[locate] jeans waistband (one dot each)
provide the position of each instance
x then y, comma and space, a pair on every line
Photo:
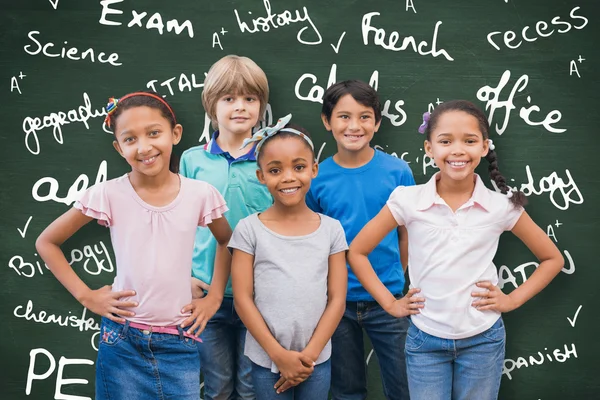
171, 330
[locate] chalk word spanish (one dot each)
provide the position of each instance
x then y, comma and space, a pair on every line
275, 21
539, 359
379, 39
72, 53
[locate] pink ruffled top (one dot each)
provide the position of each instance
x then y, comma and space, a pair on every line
153, 245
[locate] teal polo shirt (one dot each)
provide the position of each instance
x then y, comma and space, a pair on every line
235, 179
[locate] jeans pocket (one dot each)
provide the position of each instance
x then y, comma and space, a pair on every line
111, 333
496, 333
415, 338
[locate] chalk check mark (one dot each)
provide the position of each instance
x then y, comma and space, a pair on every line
339, 43
54, 3
22, 232
572, 322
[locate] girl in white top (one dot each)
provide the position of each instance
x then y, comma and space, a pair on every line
455, 343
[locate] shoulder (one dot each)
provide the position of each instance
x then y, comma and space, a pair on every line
194, 151
392, 162
408, 193
198, 187
331, 223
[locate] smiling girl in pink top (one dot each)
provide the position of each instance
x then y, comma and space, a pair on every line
150, 325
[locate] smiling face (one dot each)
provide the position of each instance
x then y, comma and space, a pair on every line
287, 168
145, 138
456, 144
352, 125
237, 114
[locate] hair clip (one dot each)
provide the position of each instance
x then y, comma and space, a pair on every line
491, 145
509, 194
425, 123
111, 106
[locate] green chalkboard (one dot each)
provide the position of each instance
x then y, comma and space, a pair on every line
532, 65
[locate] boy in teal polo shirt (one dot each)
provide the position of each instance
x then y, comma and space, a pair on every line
235, 96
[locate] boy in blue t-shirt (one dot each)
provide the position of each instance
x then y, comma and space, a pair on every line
352, 186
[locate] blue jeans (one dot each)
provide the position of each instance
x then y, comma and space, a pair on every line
225, 367
348, 367
134, 364
316, 387
459, 369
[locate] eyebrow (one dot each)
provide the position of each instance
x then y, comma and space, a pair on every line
295, 160
146, 128
370, 112
465, 134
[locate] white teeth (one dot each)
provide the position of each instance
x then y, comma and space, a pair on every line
149, 160
289, 190
458, 163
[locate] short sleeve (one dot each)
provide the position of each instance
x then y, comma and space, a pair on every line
214, 206
243, 237
396, 206
338, 238
513, 213
95, 203
312, 202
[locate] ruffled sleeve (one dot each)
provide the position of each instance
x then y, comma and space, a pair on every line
214, 206
94, 203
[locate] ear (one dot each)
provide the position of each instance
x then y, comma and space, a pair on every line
486, 147
377, 125
428, 149
260, 176
325, 122
118, 148
177, 132
315, 170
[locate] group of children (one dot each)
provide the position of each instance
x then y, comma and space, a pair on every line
289, 323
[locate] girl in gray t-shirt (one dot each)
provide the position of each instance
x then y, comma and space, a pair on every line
289, 273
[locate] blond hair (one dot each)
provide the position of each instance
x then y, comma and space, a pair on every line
234, 75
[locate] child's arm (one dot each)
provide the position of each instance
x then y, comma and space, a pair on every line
337, 284
403, 245
204, 308
363, 244
551, 262
103, 301
293, 366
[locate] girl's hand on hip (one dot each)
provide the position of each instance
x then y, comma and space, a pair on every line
492, 299
106, 303
407, 305
201, 310
294, 368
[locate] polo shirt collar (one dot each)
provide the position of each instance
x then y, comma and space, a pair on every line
429, 196
213, 148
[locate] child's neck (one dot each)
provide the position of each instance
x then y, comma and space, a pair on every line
159, 190
232, 143
456, 193
354, 159
298, 220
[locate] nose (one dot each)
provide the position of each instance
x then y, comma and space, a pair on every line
288, 175
144, 147
457, 149
353, 124
239, 103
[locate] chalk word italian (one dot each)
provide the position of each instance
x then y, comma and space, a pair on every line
275, 21
32, 125
541, 29
519, 275
492, 96
60, 380
379, 39
81, 323
521, 362
154, 22
94, 259
183, 84
75, 190
316, 92
72, 53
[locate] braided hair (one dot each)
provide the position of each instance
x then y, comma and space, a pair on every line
518, 198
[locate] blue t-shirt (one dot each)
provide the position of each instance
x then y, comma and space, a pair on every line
354, 196
235, 179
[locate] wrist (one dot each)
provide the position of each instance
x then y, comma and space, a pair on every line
83, 296
277, 354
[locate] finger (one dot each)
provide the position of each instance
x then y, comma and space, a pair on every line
286, 385
192, 329
306, 361
417, 299
485, 284
486, 308
120, 312
416, 305
125, 304
480, 294
114, 318
412, 291
280, 382
187, 308
123, 293
201, 329
188, 321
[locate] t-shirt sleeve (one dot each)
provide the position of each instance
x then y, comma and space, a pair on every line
312, 202
396, 205
214, 206
243, 237
95, 203
338, 239
513, 213
183, 166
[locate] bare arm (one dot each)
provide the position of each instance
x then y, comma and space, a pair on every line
551, 262
337, 282
403, 245
103, 301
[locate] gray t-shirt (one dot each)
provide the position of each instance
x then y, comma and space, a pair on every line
290, 281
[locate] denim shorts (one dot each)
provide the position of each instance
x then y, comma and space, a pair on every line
137, 364
461, 369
